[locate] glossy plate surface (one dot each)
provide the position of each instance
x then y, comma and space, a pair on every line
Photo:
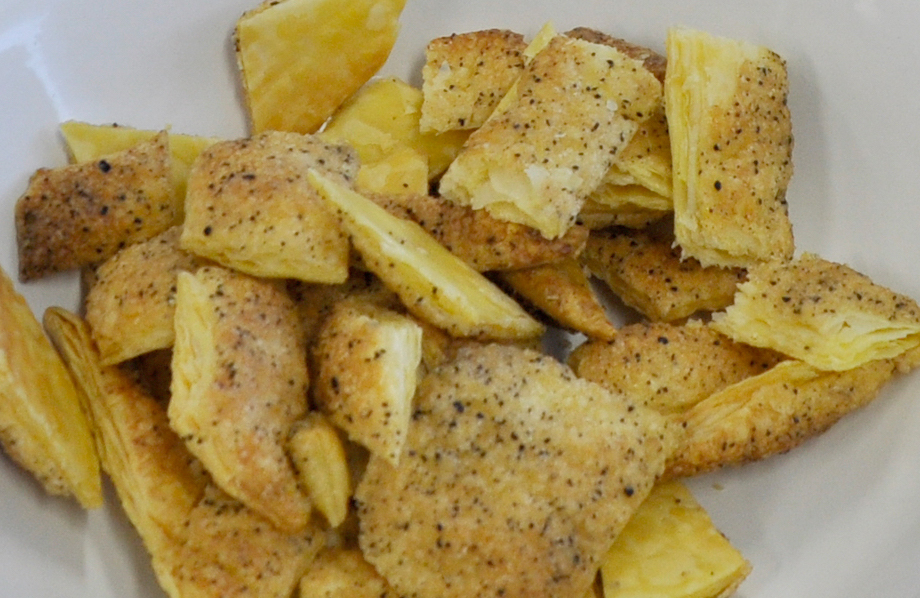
839, 517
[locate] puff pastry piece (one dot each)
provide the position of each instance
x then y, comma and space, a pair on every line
672, 549
563, 292
433, 284
821, 312
239, 383
382, 119
87, 142
502, 489
367, 358
773, 412
731, 141
576, 105
202, 543
249, 207
343, 573
131, 305
43, 425
650, 275
668, 367
481, 240
82, 214
646, 160
300, 59
466, 75
318, 454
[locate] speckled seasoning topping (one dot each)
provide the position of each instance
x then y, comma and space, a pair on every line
239, 384
249, 207
821, 312
650, 274
131, 304
576, 105
514, 479
466, 75
79, 215
731, 140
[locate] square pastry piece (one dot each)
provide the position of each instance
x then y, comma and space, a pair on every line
514, 480
249, 207
466, 75
575, 106
731, 141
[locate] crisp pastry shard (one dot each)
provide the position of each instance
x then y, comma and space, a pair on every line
433, 284
649, 274
367, 358
401, 173
502, 488
153, 473
250, 207
731, 141
315, 301
229, 550
821, 312
319, 457
202, 543
646, 160
300, 59
481, 240
773, 412
563, 292
654, 62
466, 75
340, 572
43, 426
239, 383
672, 549
382, 119
82, 214
131, 305
576, 105
669, 367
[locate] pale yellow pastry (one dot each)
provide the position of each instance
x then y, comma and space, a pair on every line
821, 312
43, 425
672, 549
300, 59
432, 283
202, 543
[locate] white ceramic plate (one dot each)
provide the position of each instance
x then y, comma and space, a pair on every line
839, 517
